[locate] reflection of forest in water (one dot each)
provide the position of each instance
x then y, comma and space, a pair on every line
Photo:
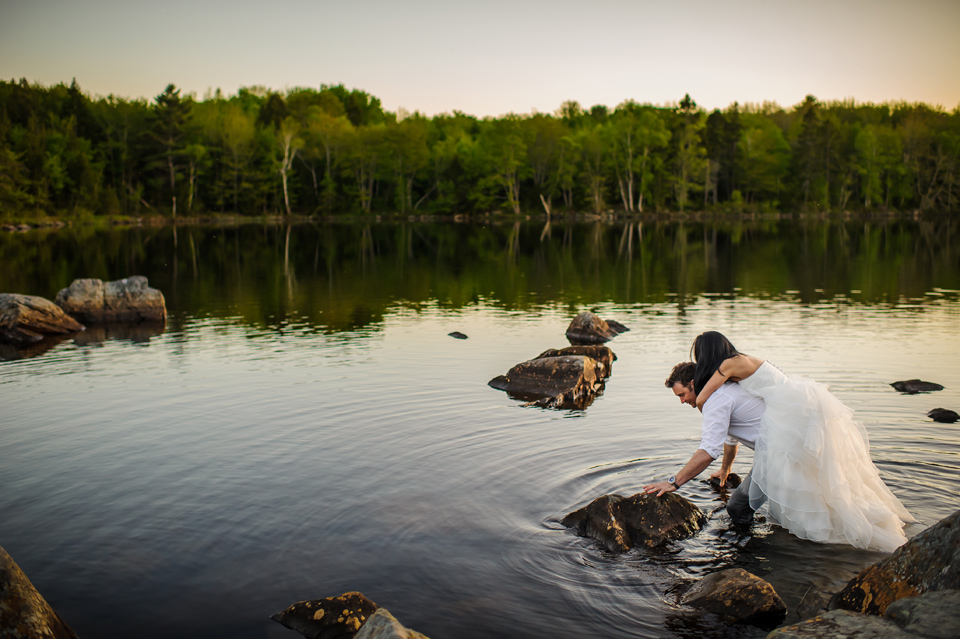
346, 275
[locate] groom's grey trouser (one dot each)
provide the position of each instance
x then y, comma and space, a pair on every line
738, 506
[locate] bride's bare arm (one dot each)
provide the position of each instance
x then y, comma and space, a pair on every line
731, 369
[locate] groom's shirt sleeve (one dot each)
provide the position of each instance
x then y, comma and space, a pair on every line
716, 421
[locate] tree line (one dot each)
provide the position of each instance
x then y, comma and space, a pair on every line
335, 151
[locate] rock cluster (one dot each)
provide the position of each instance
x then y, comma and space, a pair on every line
621, 523
588, 328
127, 300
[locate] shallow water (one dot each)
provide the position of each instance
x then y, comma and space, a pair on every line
304, 426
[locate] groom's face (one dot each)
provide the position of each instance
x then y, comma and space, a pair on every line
685, 393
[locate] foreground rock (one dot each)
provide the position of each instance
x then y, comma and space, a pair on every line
943, 415
567, 381
737, 596
927, 563
27, 319
330, 618
127, 300
383, 625
934, 615
344, 617
588, 328
621, 523
914, 386
23, 612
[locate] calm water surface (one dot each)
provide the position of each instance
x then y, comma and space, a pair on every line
303, 425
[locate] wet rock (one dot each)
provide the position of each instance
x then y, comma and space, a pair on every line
935, 615
841, 624
600, 354
27, 319
570, 381
588, 328
383, 625
733, 480
331, 618
457, 335
927, 563
914, 386
127, 300
621, 523
24, 614
943, 415
737, 596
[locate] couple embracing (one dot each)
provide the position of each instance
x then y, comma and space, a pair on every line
812, 465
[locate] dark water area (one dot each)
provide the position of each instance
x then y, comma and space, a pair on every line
303, 425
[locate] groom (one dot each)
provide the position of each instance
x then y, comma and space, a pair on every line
731, 417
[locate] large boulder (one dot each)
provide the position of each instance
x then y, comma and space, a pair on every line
935, 615
127, 300
914, 386
24, 614
27, 319
588, 328
621, 523
600, 354
568, 381
331, 618
737, 596
383, 625
929, 562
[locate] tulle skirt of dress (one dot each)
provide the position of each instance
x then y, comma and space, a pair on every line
812, 466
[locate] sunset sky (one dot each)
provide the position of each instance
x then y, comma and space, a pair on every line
498, 56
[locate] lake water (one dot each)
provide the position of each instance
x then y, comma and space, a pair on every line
304, 426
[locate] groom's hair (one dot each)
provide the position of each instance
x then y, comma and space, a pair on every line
682, 373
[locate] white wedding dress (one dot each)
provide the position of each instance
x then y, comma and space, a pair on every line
812, 466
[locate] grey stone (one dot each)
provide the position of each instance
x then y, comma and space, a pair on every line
842, 624
127, 300
935, 615
383, 625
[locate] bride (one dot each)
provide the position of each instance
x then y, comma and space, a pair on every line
812, 461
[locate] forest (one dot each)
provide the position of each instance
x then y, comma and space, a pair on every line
335, 151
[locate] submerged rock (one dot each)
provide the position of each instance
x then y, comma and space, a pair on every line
331, 618
737, 596
934, 615
588, 328
457, 335
927, 563
943, 415
914, 386
24, 614
621, 523
383, 625
127, 300
27, 319
569, 381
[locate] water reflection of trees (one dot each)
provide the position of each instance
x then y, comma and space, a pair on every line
339, 276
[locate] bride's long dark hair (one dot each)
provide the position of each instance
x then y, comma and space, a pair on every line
708, 351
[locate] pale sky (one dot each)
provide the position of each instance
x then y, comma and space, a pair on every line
495, 57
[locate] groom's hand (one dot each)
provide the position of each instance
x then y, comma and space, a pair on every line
660, 488
721, 475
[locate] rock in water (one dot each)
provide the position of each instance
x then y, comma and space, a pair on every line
571, 381
943, 415
27, 319
383, 625
24, 614
331, 618
588, 328
621, 523
927, 563
457, 335
737, 596
914, 386
127, 300
600, 354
